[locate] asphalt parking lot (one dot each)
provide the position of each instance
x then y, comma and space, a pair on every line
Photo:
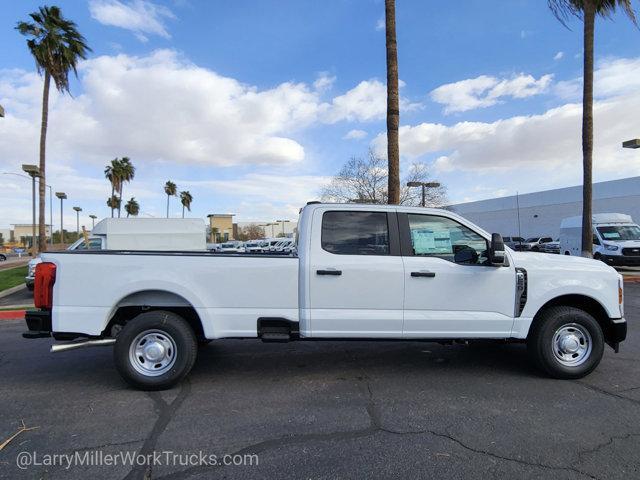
327, 410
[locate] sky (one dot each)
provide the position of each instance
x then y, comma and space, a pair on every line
253, 105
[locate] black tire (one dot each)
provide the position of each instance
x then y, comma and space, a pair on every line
598, 256
3, 257
30, 287
167, 325
567, 253
542, 348
535, 249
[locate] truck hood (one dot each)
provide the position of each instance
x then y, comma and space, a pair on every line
547, 261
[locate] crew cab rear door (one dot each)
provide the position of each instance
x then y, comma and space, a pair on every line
356, 284
445, 298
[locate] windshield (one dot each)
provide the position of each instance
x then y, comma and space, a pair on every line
620, 232
533, 239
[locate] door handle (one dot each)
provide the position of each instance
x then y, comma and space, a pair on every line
423, 273
329, 272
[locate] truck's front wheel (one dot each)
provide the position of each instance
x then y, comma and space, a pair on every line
155, 350
566, 342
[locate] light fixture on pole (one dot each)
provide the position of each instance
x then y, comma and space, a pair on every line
78, 210
62, 196
33, 171
424, 186
634, 143
93, 221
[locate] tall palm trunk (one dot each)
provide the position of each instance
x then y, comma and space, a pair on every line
182, 211
587, 129
393, 107
120, 203
42, 232
113, 190
168, 197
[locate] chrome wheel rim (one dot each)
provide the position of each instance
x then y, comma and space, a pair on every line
572, 345
152, 353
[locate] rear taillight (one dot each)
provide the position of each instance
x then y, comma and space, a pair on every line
43, 285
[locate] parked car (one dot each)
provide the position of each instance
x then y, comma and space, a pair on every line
551, 247
213, 247
363, 271
514, 243
616, 238
284, 246
535, 244
253, 246
233, 246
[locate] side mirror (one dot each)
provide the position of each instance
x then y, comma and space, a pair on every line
496, 250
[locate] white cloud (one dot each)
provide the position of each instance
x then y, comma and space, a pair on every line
547, 142
367, 101
485, 91
142, 17
381, 24
355, 135
324, 82
558, 56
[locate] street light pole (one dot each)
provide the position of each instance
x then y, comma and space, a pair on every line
33, 171
93, 221
62, 196
78, 210
424, 186
282, 222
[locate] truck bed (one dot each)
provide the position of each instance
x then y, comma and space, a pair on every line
229, 292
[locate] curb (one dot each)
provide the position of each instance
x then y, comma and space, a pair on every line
12, 315
12, 290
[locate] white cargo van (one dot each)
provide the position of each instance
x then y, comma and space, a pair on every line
616, 238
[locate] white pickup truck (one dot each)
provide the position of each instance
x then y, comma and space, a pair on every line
361, 272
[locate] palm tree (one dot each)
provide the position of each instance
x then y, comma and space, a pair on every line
132, 207
170, 189
393, 104
587, 10
186, 198
113, 202
56, 46
126, 173
112, 173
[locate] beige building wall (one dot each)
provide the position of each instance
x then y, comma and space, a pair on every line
222, 227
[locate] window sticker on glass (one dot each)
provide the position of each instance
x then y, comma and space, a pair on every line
423, 241
611, 235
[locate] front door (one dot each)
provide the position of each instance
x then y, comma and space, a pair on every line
356, 274
444, 297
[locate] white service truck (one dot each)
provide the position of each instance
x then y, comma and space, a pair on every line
137, 234
362, 272
616, 238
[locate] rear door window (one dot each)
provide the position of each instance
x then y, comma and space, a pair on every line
355, 233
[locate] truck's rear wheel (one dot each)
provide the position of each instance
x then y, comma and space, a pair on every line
155, 350
566, 342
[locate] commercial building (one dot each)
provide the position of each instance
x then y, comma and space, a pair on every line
22, 232
221, 227
274, 228
540, 213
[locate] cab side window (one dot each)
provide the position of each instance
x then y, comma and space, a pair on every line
433, 236
355, 233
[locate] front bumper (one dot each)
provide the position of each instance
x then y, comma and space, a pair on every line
621, 260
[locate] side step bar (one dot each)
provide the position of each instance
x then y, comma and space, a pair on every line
63, 347
277, 330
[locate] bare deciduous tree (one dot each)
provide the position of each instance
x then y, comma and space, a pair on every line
365, 180
251, 232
